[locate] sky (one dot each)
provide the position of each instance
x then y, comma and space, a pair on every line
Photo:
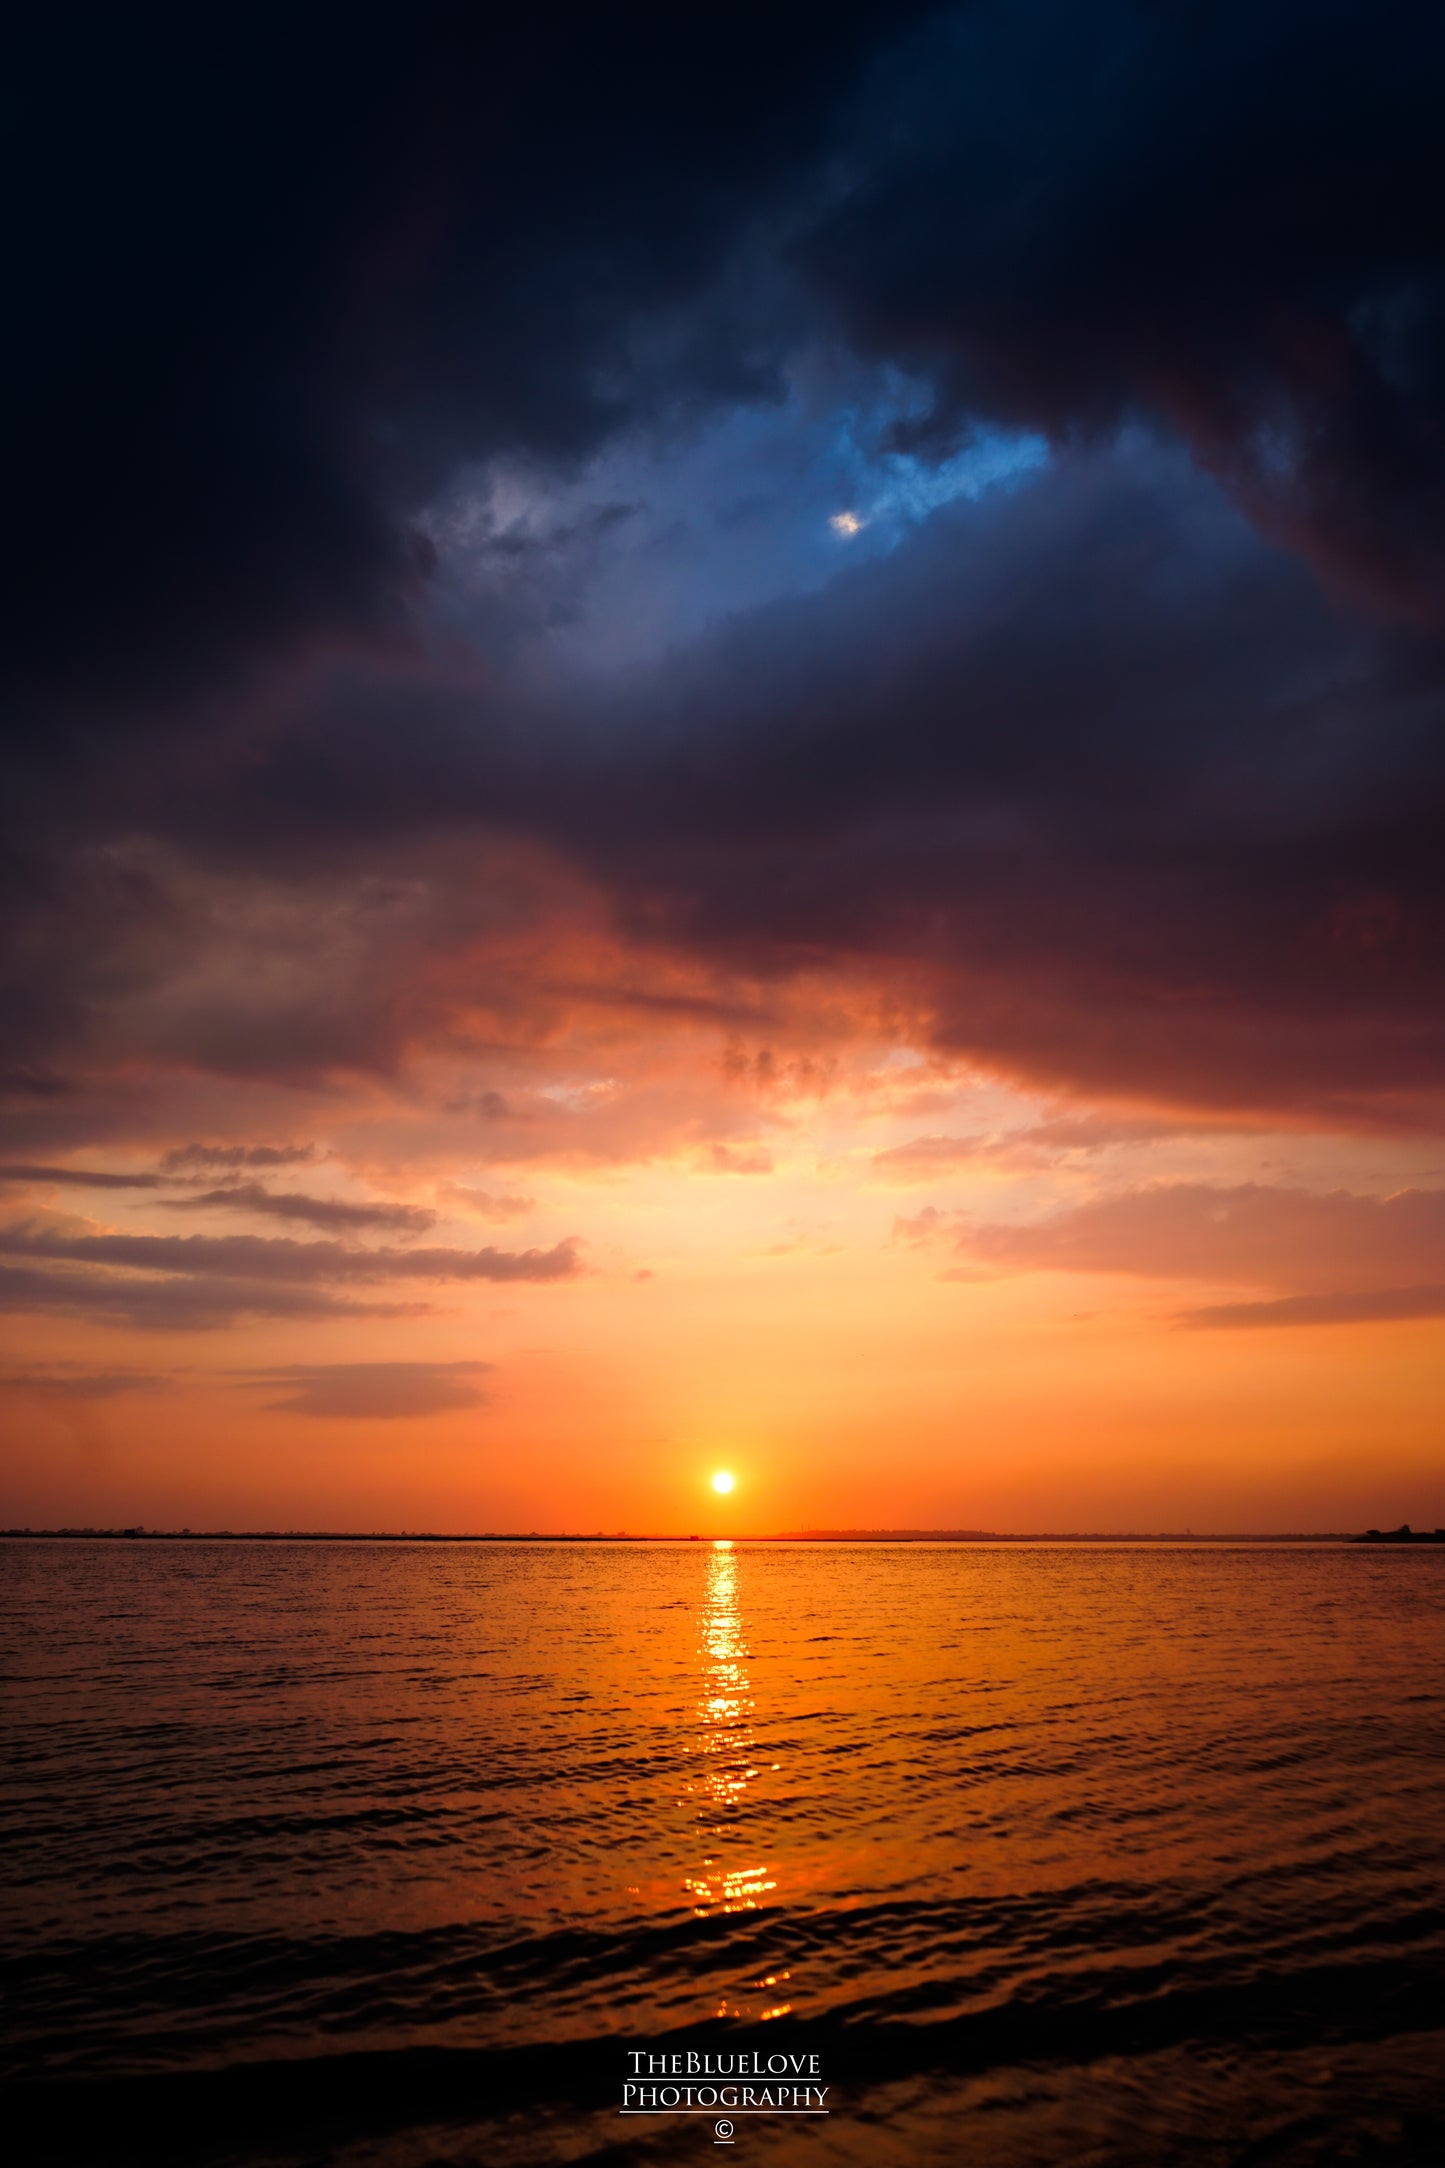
723, 749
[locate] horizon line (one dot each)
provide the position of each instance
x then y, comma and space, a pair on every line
138, 1531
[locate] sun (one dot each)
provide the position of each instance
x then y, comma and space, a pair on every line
722, 1482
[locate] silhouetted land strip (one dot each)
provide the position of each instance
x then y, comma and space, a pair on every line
1403, 1534
622, 1535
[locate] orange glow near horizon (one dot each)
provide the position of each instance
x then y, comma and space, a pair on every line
869, 1289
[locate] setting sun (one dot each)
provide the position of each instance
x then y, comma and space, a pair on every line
722, 1483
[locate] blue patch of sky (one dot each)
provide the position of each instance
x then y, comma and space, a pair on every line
665, 533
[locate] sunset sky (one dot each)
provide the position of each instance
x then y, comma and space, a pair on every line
724, 749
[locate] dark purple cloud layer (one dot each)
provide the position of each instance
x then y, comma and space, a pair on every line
1128, 781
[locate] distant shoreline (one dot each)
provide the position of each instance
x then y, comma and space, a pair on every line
802, 1535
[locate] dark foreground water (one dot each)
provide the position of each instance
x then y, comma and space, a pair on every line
386, 1855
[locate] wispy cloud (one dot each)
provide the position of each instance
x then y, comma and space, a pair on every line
375, 1392
741, 1159
178, 1304
1042, 1144
172, 1282
77, 1381
1369, 1306
492, 1204
326, 1212
922, 1159
262, 1258
187, 1158
1304, 1241
78, 1177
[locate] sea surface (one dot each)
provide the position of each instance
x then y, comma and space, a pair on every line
386, 1855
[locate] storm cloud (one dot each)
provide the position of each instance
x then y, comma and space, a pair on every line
404, 363
283, 272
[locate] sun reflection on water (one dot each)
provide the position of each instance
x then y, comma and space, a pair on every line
725, 1745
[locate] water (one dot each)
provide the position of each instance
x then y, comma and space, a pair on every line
383, 1855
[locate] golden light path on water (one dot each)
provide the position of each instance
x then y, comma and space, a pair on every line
726, 1881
